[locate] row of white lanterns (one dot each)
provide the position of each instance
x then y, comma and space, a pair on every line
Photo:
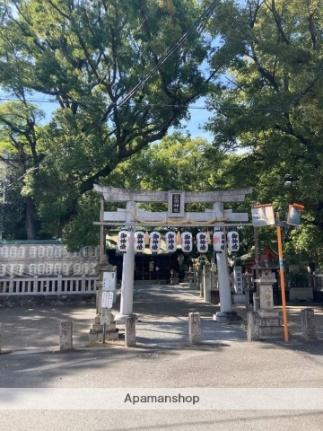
186, 241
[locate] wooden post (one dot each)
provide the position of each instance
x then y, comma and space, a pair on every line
282, 281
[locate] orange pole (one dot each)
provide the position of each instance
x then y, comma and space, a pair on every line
282, 281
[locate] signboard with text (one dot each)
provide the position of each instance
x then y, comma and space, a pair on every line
176, 204
109, 280
107, 299
294, 214
263, 215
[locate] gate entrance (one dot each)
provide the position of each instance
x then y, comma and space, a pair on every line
133, 218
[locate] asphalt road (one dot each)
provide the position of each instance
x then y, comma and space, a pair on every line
163, 359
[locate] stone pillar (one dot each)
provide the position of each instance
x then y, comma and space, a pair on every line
130, 331
225, 314
202, 281
252, 333
207, 283
239, 297
128, 271
267, 320
224, 283
194, 328
104, 320
308, 324
66, 335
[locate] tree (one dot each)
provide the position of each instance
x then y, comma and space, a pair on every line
19, 155
88, 56
269, 103
177, 162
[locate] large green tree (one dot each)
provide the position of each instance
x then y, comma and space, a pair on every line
177, 162
19, 155
269, 103
88, 55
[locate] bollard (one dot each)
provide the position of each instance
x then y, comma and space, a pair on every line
252, 333
66, 335
0, 336
130, 334
308, 324
207, 286
194, 328
202, 281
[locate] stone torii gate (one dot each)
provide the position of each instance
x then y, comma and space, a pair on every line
176, 216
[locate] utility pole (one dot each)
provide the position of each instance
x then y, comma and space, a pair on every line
282, 279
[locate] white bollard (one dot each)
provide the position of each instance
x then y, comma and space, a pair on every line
130, 332
65, 335
194, 328
224, 283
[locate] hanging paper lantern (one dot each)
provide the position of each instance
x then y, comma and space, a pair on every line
154, 242
139, 242
170, 239
233, 241
218, 241
202, 242
187, 242
123, 241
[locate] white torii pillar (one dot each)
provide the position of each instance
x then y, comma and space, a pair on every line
224, 284
225, 312
128, 270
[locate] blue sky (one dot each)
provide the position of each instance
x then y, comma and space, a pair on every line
194, 126
199, 116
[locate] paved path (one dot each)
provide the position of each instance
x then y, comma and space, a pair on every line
162, 359
163, 317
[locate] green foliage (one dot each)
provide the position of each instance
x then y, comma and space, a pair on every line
176, 163
269, 104
88, 55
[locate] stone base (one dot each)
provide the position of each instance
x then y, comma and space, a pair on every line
96, 336
96, 332
264, 324
239, 298
121, 318
226, 317
268, 314
268, 332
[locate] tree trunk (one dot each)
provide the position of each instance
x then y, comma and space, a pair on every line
30, 219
